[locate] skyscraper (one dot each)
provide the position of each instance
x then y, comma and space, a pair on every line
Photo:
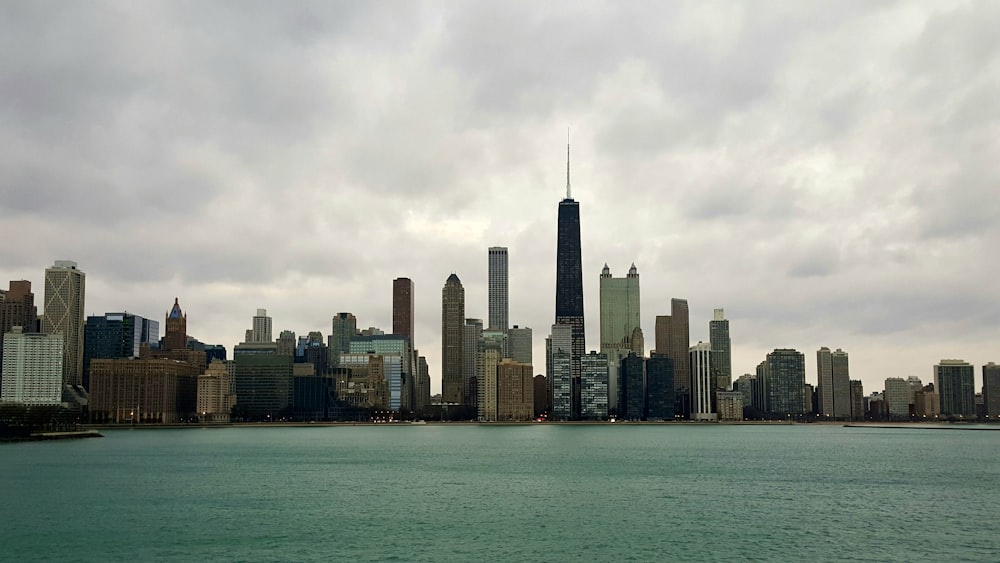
452, 349
559, 371
472, 354
261, 331
786, 379
702, 386
569, 276
402, 307
499, 308
65, 286
343, 326
953, 381
833, 383
991, 389
619, 310
673, 340
115, 335
659, 388
722, 362
17, 308
519, 344
594, 386
175, 328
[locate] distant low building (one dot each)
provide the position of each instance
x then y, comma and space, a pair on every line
216, 392
730, 405
142, 390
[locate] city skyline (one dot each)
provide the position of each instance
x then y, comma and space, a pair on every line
818, 177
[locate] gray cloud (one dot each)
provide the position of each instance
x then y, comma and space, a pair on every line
825, 172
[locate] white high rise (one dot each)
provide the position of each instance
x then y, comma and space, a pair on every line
499, 307
261, 331
702, 386
65, 287
32, 368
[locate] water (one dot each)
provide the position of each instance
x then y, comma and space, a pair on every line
518, 493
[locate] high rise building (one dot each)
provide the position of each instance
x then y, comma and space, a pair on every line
722, 360
897, 398
559, 371
515, 391
702, 385
632, 392
569, 277
594, 386
833, 384
264, 385
342, 329
619, 310
953, 382
857, 400
991, 390
17, 308
659, 387
261, 331
452, 348
116, 335
216, 392
519, 344
786, 379
175, 327
32, 368
472, 354
65, 286
486, 384
422, 395
499, 308
673, 340
402, 307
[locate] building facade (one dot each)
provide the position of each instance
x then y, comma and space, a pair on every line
515, 391
343, 327
594, 386
991, 390
142, 390
722, 358
702, 382
953, 382
786, 379
659, 388
519, 344
897, 398
672, 337
619, 309
32, 371
216, 392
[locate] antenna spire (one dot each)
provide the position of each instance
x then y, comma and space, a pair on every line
569, 194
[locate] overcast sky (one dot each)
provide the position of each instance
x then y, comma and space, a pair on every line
826, 172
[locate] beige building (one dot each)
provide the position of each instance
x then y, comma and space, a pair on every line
142, 390
897, 398
364, 384
729, 405
487, 384
515, 391
926, 404
216, 392
63, 314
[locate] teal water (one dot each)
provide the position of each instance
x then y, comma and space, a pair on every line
518, 493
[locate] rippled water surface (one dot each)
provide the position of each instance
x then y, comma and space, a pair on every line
522, 493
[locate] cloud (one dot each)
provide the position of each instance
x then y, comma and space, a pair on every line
824, 172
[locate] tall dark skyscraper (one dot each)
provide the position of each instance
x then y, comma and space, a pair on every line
402, 307
452, 349
569, 277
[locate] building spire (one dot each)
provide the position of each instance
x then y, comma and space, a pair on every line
569, 194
